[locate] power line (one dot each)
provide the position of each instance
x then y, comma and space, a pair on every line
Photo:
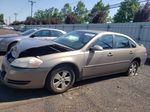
32, 3
118, 4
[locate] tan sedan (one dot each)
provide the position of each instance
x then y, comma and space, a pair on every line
75, 56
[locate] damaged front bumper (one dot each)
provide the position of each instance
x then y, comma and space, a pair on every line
22, 78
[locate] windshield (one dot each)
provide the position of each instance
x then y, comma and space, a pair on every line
28, 32
75, 39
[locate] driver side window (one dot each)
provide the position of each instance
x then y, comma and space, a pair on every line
105, 41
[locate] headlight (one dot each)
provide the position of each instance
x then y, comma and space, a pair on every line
28, 62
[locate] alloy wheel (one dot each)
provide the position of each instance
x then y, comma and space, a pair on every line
62, 80
133, 69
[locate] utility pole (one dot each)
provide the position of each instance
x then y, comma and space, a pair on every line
32, 3
16, 14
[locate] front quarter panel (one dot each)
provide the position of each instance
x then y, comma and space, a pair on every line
6, 42
74, 57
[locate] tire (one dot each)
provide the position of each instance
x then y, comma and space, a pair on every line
60, 79
133, 68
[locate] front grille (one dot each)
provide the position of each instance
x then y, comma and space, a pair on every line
10, 58
16, 82
3, 74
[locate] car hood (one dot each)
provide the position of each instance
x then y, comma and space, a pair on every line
9, 35
28, 43
33, 47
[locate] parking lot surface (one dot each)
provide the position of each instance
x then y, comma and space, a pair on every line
115, 93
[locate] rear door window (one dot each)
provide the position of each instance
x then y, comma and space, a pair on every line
121, 42
42, 33
56, 33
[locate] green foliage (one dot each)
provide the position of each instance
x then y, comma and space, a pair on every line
47, 16
97, 11
101, 17
1, 19
67, 9
79, 15
109, 19
143, 15
127, 11
82, 13
71, 19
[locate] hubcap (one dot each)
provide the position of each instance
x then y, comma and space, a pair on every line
133, 69
62, 80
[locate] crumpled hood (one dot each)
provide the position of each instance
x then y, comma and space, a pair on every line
9, 35
29, 47
28, 43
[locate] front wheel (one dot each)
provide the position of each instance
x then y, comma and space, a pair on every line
133, 68
60, 79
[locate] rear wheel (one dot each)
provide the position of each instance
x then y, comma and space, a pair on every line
60, 79
133, 68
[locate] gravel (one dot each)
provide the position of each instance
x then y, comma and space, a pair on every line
5, 31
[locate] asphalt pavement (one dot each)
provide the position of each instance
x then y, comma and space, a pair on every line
115, 93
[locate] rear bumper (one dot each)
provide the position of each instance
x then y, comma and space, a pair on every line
23, 78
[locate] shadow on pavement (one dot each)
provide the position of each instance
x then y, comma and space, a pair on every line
147, 62
10, 95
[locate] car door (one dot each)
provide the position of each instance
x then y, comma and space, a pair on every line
55, 34
115, 57
124, 52
100, 62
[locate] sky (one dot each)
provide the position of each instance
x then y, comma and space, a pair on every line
23, 7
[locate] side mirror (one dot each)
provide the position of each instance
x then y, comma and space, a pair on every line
32, 36
96, 48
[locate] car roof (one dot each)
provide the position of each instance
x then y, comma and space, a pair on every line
106, 32
92, 31
49, 29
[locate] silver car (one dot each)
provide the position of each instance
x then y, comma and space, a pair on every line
7, 41
75, 56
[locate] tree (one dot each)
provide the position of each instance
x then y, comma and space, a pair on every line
55, 13
82, 13
143, 15
56, 20
39, 14
47, 16
1, 19
67, 9
101, 17
127, 11
71, 18
97, 11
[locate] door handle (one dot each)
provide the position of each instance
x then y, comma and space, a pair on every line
110, 54
130, 52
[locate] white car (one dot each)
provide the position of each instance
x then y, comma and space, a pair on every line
7, 41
